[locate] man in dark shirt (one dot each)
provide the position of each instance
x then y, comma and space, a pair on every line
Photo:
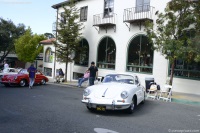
31, 70
93, 73
60, 75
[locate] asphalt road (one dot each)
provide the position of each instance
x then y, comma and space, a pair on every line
58, 109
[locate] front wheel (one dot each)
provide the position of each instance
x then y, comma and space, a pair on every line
90, 109
133, 105
6, 85
22, 83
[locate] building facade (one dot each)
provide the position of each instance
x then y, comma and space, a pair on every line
114, 38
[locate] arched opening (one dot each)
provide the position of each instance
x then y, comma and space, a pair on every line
48, 55
140, 55
82, 57
106, 53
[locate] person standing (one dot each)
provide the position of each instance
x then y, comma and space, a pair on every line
93, 73
32, 74
6, 65
84, 78
60, 75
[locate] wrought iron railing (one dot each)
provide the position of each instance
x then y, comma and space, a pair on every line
101, 19
138, 13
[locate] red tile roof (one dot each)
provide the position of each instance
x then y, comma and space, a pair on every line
48, 41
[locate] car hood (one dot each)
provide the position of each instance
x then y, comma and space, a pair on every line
110, 90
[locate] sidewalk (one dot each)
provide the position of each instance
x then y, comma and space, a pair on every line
177, 97
184, 98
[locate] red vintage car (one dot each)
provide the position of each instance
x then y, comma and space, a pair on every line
22, 78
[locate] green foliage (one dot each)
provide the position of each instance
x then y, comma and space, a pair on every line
68, 37
68, 33
172, 33
9, 32
27, 46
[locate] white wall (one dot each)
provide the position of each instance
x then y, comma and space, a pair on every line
48, 64
122, 37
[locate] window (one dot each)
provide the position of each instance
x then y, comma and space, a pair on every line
106, 54
63, 19
82, 57
47, 71
140, 55
48, 56
83, 13
187, 69
108, 8
142, 5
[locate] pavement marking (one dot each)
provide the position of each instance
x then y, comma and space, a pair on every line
102, 130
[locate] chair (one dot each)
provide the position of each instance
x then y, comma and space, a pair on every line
153, 91
166, 93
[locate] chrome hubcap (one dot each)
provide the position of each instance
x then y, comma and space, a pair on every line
132, 106
43, 81
22, 83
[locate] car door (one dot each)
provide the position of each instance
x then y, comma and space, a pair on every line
38, 77
140, 93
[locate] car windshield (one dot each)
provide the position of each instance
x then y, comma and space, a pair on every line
23, 71
120, 78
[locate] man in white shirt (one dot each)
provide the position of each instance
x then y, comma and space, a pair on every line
6, 65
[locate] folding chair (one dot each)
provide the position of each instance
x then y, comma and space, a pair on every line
153, 91
166, 93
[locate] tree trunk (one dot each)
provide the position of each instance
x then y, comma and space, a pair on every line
66, 64
172, 72
4, 55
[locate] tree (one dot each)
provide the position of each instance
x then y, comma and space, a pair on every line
170, 34
27, 46
196, 39
68, 35
8, 33
196, 47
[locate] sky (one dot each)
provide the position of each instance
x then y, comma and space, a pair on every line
37, 14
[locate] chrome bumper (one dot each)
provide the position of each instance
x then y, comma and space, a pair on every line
112, 106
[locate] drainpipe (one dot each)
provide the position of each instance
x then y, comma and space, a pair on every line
55, 47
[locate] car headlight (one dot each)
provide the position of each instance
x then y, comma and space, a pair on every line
124, 94
15, 77
86, 92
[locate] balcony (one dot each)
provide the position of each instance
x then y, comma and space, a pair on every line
105, 22
138, 15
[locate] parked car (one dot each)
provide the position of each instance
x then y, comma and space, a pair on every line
116, 92
22, 78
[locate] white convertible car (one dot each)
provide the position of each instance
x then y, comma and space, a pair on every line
116, 92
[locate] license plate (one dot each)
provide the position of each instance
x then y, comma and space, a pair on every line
101, 108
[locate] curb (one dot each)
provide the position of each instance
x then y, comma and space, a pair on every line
174, 100
184, 101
